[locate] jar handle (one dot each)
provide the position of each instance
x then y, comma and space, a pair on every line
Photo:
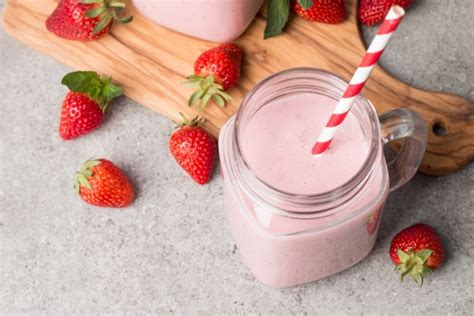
409, 125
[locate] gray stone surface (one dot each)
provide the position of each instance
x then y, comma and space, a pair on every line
171, 251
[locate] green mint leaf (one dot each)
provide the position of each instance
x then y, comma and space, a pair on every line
82, 81
306, 4
278, 12
111, 91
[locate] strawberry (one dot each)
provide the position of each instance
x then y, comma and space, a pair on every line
194, 149
325, 11
101, 183
84, 106
372, 12
85, 20
373, 221
416, 250
215, 71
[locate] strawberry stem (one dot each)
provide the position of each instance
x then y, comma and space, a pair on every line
196, 121
414, 264
206, 89
100, 89
108, 11
82, 175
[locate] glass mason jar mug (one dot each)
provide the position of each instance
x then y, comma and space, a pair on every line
288, 238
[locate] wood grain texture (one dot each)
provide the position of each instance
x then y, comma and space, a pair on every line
150, 62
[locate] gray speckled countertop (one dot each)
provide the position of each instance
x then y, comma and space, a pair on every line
171, 250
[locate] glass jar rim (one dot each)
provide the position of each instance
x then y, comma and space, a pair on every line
353, 185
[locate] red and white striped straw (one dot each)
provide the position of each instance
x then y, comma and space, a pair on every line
359, 78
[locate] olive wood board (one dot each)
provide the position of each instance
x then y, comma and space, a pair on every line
151, 62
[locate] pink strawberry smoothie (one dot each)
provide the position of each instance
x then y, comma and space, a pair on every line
213, 20
286, 131
276, 144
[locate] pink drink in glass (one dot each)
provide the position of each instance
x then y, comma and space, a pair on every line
213, 20
296, 217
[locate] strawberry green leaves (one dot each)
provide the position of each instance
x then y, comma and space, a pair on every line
278, 12
196, 121
85, 173
81, 81
100, 89
107, 11
95, 12
109, 90
206, 89
414, 264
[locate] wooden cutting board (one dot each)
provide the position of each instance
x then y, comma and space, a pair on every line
150, 62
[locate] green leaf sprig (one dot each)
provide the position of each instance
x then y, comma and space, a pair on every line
100, 89
84, 174
206, 89
107, 11
278, 13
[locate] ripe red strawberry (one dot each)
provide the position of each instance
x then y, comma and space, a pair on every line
101, 183
215, 71
326, 11
373, 221
416, 250
85, 20
84, 106
372, 12
194, 149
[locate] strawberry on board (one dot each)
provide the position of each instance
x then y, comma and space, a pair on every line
85, 20
416, 250
215, 71
372, 12
193, 149
101, 183
84, 105
325, 11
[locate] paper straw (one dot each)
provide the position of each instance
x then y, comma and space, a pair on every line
359, 78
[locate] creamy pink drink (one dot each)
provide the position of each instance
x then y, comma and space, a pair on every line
276, 144
213, 20
296, 217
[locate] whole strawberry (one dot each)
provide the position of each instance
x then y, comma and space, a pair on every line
194, 149
372, 12
85, 20
215, 71
416, 250
325, 11
84, 106
101, 183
